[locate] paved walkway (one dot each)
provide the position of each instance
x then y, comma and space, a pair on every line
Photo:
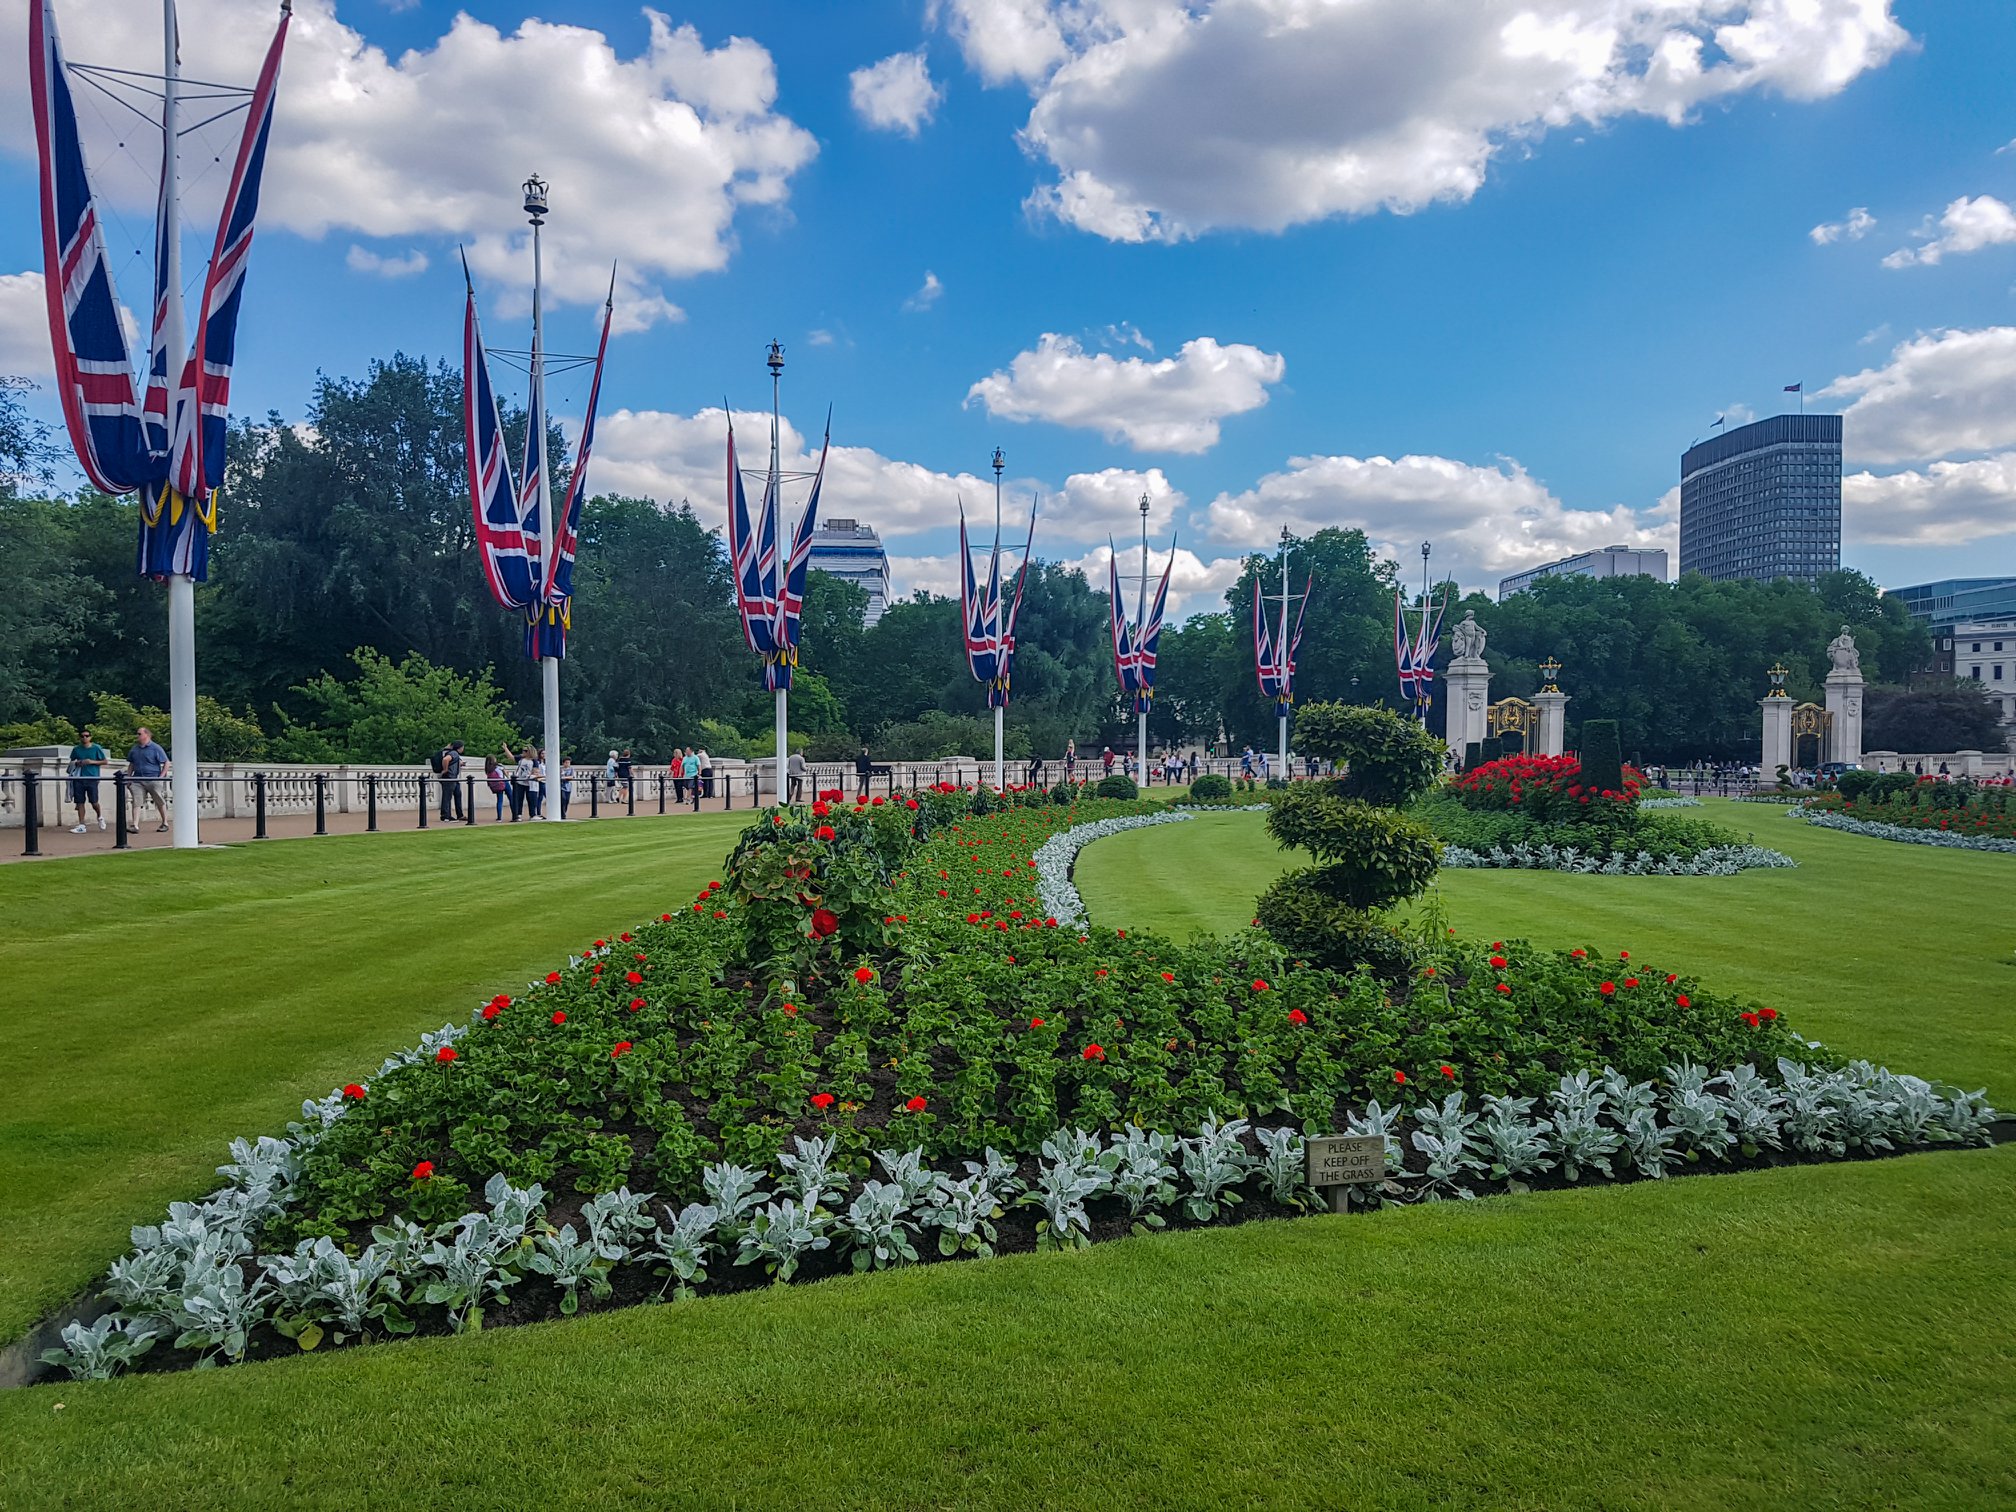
60, 843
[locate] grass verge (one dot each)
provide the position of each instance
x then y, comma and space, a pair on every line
156, 1006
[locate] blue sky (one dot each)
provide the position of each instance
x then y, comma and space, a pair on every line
1447, 269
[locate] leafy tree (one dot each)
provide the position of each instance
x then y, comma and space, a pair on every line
398, 712
1948, 715
220, 734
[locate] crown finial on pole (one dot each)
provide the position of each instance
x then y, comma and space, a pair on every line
535, 199
1000, 462
1144, 505
776, 358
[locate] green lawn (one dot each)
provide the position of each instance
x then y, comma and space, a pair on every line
154, 1006
1900, 953
1819, 1337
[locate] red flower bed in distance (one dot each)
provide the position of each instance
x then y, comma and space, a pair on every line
1545, 788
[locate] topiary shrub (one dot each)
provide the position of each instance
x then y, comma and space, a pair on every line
1063, 793
1118, 785
1211, 788
1370, 857
1854, 784
1389, 760
1602, 756
1473, 755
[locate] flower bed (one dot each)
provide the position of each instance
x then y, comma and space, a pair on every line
1054, 858
872, 1042
1952, 839
1668, 801
1894, 805
1712, 861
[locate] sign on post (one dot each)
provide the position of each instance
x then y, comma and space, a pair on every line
1337, 1161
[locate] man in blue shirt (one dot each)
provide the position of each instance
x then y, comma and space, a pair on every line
86, 757
146, 765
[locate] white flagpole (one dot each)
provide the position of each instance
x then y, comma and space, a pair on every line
1000, 626
1281, 652
535, 206
1140, 667
181, 586
783, 699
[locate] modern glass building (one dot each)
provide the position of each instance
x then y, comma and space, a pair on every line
848, 549
1952, 601
1764, 501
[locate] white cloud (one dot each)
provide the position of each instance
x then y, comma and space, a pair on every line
651, 156
24, 327
1941, 392
1174, 405
1195, 586
896, 94
1966, 225
927, 295
1485, 522
1944, 504
405, 265
819, 338
1164, 119
668, 457
1857, 224
1093, 506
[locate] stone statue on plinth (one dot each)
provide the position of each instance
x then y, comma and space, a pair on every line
1467, 639
1841, 650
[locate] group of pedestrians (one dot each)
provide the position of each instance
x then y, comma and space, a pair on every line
146, 769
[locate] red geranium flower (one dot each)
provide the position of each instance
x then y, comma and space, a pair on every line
1449, 1071
1683, 1000
491, 1010
634, 978
1168, 976
791, 1009
824, 922
1100, 972
636, 1005
445, 1054
1751, 1019
1608, 989
621, 1047
1767, 1014
1093, 1052
1623, 955
863, 975
353, 1092
824, 832
916, 1104
1671, 978
1400, 1078
552, 978
559, 1018
1297, 1016
819, 809
424, 1171
1260, 985
1505, 987
1579, 953
822, 1100
1035, 1023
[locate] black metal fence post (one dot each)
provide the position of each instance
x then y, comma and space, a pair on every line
423, 797
31, 811
469, 809
630, 791
321, 804
595, 796
119, 811
370, 802
661, 792
258, 805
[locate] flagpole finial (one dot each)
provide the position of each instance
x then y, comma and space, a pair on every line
535, 199
1000, 462
1144, 505
776, 358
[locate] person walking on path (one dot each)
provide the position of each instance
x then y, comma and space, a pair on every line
447, 766
87, 758
566, 783
623, 769
677, 767
864, 768
521, 780
706, 774
146, 765
690, 765
1036, 771
495, 780
535, 790
1106, 760
796, 767
609, 770
1070, 761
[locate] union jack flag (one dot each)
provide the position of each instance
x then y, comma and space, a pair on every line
560, 570
172, 449
1135, 647
493, 493
1276, 664
989, 633
1403, 652
1004, 661
755, 595
790, 581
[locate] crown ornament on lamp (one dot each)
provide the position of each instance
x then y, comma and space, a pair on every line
1549, 670
1777, 672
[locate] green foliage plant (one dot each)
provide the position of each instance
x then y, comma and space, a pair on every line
1118, 785
1389, 760
1602, 755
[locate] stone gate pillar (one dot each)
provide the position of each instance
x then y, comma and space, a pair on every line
1552, 737
1844, 699
1777, 736
1466, 698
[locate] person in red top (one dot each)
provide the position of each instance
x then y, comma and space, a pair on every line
1106, 756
